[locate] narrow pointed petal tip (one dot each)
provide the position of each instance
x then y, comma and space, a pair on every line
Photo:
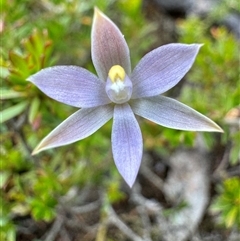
213, 126
97, 12
37, 149
127, 144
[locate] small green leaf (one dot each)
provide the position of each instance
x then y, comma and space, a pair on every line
17, 77
36, 41
12, 111
231, 216
18, 62
34, 107
3, 178
235, 151
9, 94
131, 9
28, 46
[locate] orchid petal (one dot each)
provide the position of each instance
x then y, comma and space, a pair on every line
109, 47
71, 85
162, 68
127, 143
78, 126
173, 114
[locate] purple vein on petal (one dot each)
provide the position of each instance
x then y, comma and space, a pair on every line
78, 126
162, 68
127, 145
71, 85
108, 47
173, 114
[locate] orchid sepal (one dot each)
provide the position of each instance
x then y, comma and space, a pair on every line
173, 114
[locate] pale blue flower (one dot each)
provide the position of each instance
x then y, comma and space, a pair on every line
120, 93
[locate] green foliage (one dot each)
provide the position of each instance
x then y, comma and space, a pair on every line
213, 88
212, 85
209, 78
34, 56
227, 204
164, 140
13, 111
46, 189
224, 7
7, 228
235, 151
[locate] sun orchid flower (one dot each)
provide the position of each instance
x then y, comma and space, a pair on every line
120, 93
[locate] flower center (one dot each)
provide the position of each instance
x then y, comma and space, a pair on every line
118, 85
